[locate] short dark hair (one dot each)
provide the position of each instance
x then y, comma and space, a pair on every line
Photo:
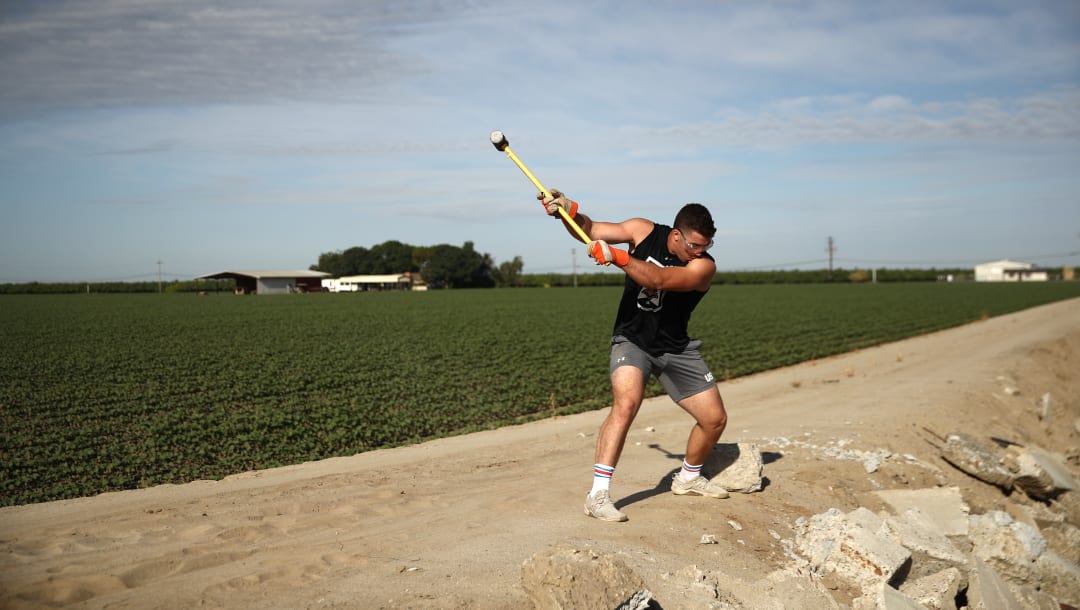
696, 217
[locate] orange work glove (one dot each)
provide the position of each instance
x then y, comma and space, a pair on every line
557, 200
604, 254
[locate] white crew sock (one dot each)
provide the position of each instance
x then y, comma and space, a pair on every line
688, 472
601, 478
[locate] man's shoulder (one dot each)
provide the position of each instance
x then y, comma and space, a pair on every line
639, 229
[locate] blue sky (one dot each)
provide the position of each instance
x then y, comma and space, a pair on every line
257, 135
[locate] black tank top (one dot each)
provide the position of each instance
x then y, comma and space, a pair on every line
656, 320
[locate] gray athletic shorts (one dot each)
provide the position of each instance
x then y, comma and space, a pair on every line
683, 374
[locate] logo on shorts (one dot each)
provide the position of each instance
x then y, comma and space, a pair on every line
709, 377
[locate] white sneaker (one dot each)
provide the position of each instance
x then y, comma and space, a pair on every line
601, 507
698, 485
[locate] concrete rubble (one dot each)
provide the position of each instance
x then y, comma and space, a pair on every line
978, 459
1039, 474
737, 467
943, 506
839, 450
937, 591
914, 530
1042, 475
855, 546
927, 551
907, 562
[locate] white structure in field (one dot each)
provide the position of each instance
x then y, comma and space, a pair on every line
1009, 271
370, 283
271, 282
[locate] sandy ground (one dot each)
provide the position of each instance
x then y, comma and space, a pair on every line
448, 523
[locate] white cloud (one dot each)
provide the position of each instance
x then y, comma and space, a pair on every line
889, 104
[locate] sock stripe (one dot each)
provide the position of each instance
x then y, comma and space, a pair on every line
689, 472
603, 472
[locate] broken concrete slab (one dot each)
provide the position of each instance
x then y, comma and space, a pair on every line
780, 590
943, 506
886, 598
980, 460
1033, 599
853, 546
1009, 546
1063, 539
737, 467
562, 578
987, 590
916, 532
1050, 471
936, 591
1058, 576
1032, 478
1020, 554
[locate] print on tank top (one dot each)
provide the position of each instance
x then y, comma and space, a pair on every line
651, 299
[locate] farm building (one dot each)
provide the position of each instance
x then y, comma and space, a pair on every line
370, 283
1009, 271
271, 282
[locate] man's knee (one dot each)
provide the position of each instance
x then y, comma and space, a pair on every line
719, 421
714, 419
624, 411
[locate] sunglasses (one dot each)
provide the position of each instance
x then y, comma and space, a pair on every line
694, 247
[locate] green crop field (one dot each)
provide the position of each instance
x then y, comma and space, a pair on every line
108, 392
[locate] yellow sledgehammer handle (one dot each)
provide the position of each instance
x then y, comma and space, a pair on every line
501, 143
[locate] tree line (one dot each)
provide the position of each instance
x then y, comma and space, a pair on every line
440, 266
447, 266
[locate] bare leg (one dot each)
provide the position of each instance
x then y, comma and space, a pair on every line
707, 409
628, 388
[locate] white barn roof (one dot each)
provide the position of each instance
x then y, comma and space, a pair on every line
1006, 264
375, 279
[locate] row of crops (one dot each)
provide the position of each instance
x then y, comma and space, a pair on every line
108, 392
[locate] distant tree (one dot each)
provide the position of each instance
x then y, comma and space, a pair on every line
477, 267
420, 256
331, 262
453, 267
357, 261
441, 266
392, 257
508, 273
438, 270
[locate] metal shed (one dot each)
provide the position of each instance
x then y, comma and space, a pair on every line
271, 282
1009, 271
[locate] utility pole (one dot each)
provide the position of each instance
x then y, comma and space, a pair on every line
159, 276
831, 249
573, 261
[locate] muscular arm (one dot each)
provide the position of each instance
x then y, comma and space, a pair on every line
696, 275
